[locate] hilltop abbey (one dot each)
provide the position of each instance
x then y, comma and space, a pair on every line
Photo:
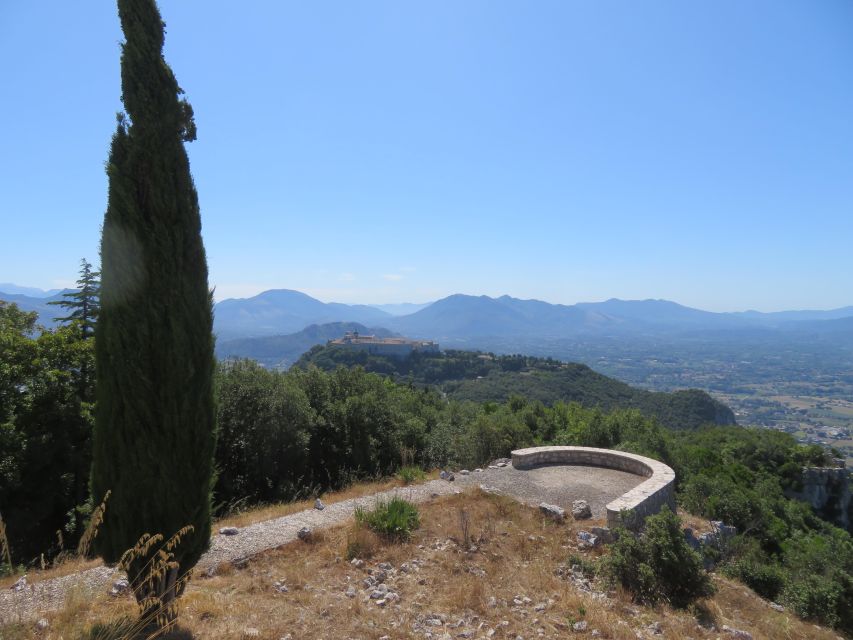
393, 347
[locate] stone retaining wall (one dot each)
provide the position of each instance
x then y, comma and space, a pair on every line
645, 499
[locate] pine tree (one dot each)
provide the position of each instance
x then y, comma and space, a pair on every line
84, 303
154, 431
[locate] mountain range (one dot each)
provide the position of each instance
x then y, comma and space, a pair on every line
464, 317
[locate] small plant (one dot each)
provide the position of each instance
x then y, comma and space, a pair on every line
395, 519
658, 565
587, 568
410, 474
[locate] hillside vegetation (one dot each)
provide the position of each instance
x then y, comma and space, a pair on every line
482, 377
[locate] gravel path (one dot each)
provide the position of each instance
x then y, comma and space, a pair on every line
558, 484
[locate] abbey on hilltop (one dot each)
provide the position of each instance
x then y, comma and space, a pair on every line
394, 347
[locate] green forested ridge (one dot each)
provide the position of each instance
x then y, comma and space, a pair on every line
486, 377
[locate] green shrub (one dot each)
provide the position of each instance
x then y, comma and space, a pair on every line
658, 565
410, 474
395, 519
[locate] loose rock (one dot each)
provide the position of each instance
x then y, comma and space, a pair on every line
581, 510
304, 534
552, 511
20, 583
587, 540
579, 627
229, 531
737, 633
119, 587
604, 534
318, 505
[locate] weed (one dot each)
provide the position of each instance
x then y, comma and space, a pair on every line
395, 519
410, 474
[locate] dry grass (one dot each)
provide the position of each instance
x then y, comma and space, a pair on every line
68, 563
512, 553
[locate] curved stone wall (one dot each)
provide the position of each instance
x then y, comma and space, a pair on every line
645, 499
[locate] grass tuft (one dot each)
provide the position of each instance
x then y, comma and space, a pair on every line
394, 519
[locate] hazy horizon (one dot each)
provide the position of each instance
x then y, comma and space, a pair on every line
384, 152
427, 302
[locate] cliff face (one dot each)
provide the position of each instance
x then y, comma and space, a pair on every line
827, 490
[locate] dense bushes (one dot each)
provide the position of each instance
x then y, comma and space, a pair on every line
784, 551
658, 565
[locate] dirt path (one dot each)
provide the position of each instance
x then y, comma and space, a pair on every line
558, 484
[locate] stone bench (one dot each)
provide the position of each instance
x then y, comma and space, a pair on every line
645, 499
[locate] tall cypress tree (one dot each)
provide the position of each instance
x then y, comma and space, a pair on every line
154, 434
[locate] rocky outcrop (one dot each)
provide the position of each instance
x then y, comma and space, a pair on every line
827, 490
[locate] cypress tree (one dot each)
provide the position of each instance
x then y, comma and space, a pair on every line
154, 434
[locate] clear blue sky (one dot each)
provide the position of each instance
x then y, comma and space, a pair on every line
399, 151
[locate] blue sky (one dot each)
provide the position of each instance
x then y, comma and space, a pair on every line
399, 151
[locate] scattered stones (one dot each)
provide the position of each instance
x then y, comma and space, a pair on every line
385, 566
318, 505
392, 596
240, 563
120, 587
304, 534
379, 592
251, 632
464, 472
433, 495
229, 531
777, 607
552, 511
655, 628
42, 624
493, 490
447, 475
478, 470
380, 575
586, 540
357, 563
581, 510
737, 633
540, 607
501, 462
351, 592
579, 627
369, 582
